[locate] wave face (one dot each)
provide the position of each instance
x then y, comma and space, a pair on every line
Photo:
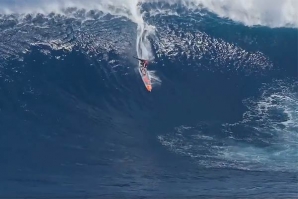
76, 120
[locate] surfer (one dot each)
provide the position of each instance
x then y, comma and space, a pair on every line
143, 63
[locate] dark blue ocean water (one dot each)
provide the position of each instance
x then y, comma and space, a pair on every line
77, 122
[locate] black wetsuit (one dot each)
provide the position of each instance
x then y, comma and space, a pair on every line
144, 63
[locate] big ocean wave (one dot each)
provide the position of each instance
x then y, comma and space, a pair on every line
224, 96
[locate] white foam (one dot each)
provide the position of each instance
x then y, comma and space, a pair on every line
269, 140
125, 8
275, 113
154, 78
273, 13
144, 31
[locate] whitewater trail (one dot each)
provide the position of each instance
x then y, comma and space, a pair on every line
143, 45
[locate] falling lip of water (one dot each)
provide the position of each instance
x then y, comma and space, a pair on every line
250, 12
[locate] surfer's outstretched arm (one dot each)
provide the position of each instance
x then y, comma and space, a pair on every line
139, 58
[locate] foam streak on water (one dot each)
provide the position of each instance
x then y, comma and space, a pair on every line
274, 118
266, 138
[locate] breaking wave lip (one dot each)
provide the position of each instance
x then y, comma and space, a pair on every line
125, 8
272, 13
266, 138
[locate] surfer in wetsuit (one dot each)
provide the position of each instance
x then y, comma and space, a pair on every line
144, 63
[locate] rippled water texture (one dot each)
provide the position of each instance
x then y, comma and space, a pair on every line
76, 120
